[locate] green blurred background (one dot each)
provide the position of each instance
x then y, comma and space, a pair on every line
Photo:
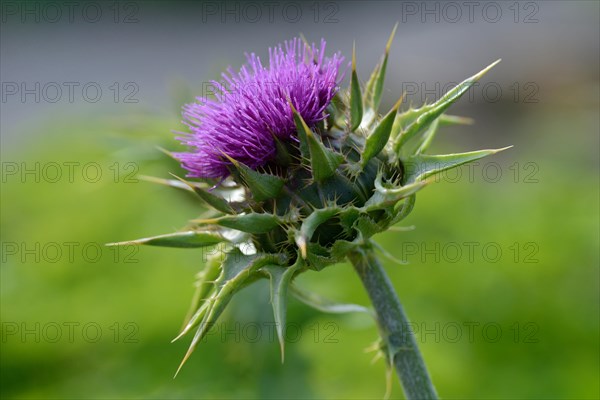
80, 320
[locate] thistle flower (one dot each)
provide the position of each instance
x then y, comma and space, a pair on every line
315, 173
251, 110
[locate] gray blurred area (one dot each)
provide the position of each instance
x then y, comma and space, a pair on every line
549, 51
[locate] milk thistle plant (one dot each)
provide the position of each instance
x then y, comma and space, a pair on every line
300, 175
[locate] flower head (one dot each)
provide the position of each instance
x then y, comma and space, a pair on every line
251, 108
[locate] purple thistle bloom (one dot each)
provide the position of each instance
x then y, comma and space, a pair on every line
251, 108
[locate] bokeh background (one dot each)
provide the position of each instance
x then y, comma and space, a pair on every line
502, 280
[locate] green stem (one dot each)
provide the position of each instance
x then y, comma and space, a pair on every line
394, 325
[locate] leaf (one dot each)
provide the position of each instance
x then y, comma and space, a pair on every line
401, 210
384, 197
378, 89
319, 303
323, 161
204, 284
280, 278
421, 118
282, 156
237, 268
341, 248
187, 239
216, 202
443, 120
367, 227
303, 131
318, 257
310, 225
428, 136
370, 87
249, 223
377, 140
356, 101
374, 89
261, 186
421, 166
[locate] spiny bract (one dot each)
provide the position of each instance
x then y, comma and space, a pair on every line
304, 196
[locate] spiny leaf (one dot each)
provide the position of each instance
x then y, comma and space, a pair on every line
424, 140
348, 216
283, 156
370, 87
374, 87
428, 136
204, 284
250, 223
421, 166
367, 227
187, 239
310, 225
341, 248
303, 131
319, 303
323, 161
422, 117
237, 268
262, 186
280, 277
377, 140
216, 202
378, 86
402, 209
319, 257
384, 197
356, 101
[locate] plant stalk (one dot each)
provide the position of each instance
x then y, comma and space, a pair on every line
394, 325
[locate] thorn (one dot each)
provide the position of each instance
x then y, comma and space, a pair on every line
495, 151
167, 152
127, 243
282, 349
391, 39
231, 160
185, 358
486, 69
399, 102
